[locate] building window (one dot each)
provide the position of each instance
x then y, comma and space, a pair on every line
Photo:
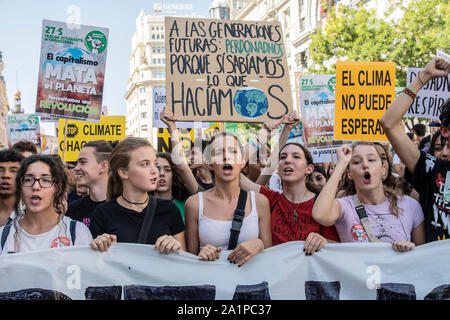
142, 90
144, 127
142, 102
153, 36
143, 115
302, 24
154, 61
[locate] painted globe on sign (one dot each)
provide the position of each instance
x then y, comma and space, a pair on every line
250, 102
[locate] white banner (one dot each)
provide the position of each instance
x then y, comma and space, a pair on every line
130, 271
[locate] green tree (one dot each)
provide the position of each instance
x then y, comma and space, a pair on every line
356, 34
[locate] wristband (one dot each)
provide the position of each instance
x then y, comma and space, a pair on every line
410, 93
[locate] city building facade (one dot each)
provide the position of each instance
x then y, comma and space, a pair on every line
4, 106
147, 71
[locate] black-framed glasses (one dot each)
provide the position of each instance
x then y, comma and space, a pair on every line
44, 182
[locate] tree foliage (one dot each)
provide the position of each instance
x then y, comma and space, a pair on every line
356, 34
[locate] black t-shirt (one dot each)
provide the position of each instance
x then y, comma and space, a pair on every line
429, 181
73, 196
82, 210
126, 224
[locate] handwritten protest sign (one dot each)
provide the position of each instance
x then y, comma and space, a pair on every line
71, 71
364, 91
317, 102
23, 127
159, 102
110, 128
222, 70
430, 98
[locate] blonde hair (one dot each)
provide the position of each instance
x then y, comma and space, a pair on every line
120, 158
389, 190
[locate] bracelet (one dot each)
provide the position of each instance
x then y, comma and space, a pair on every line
418, 77
410, 93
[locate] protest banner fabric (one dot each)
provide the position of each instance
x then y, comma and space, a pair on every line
71, 70
364, 91
49, 144
223, 70
339, 271
23, 127
430, 98
110, 128
317, 103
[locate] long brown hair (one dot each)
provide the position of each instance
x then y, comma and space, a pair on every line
120, 158
388, 188
309, 161
179, 190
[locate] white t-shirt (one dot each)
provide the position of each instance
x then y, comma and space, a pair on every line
275, 183
58, 236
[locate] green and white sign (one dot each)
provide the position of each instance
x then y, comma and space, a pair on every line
23, 127
71, 71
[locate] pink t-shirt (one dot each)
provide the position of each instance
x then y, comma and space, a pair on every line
385, 226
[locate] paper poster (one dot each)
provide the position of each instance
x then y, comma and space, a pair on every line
223, 70
110, 128
430, 98
23, 127
317, 103
159, 102
71, 71
364, 91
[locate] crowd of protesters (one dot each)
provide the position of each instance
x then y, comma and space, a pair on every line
224, 200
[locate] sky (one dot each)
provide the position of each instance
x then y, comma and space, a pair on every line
20, 41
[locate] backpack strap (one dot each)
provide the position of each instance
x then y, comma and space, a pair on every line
73, 226
9, 221
5, 234
238, 218
362, 214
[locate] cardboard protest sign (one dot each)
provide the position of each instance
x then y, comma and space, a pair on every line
23, 127
110, 128
187, 136
159, 102
222, 70
71, 71
364, 91
317, 103
430, 98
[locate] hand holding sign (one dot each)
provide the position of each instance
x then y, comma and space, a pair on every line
168, 118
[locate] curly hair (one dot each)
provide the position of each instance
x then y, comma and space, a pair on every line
57, 172
179, 190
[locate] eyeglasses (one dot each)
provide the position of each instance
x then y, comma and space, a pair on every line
45, 182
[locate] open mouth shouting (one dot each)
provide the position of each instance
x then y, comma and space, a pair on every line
36, 200
288, 171
366, 177
227, 169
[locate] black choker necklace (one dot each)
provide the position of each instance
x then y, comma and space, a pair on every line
139, 203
